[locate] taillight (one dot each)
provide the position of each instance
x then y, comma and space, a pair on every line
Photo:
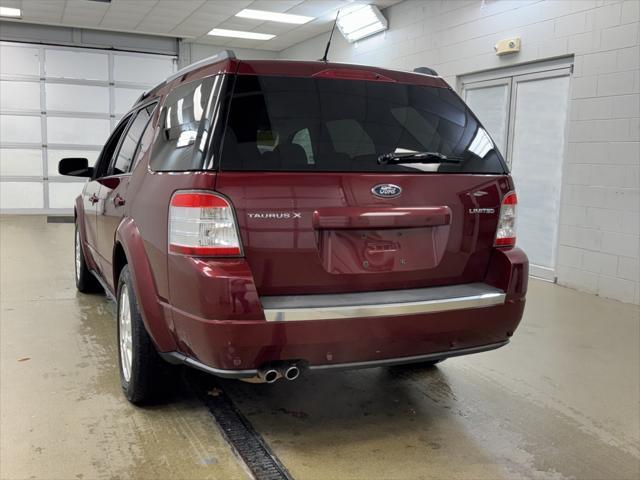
202, 224
506, 234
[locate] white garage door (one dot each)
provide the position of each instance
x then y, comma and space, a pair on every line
58, 102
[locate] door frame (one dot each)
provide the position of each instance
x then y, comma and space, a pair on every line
512, 76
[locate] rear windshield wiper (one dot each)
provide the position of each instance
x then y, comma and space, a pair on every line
416, 157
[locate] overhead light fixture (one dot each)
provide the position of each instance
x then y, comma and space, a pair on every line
273, 16
221, 32
361, 22
10, 12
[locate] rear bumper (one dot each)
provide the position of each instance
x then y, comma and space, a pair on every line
179, 358
361, 330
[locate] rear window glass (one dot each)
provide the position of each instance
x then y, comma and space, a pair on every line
309, 124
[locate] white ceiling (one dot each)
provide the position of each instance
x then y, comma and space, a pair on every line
189, 19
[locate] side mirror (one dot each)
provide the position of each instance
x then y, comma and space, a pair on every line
75, 167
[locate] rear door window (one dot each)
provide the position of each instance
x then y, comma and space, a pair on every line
316, 124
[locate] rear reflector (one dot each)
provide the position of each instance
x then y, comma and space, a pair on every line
506, 234
202, 224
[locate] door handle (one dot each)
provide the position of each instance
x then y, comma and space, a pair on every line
93, 199
118, 200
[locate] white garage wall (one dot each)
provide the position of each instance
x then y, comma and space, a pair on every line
599, 238
57, 102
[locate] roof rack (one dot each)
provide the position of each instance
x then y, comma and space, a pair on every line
426, 71
223, 55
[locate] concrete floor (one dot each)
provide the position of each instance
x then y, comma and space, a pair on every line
561, 401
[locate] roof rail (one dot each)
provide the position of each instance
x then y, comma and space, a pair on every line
426, 71
223, 55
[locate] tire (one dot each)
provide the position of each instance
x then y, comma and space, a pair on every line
85, 281
141, 368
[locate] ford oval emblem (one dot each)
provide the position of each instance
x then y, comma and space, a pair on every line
386, 190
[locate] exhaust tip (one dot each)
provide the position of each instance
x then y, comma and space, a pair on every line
292, 372
269, 376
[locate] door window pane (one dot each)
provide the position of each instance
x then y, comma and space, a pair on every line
538, 146
63, 195
20, 129
19, 95
77, 131
491, 106
21, 162
21, 195
130, 141
125, 98
141, 69
77, 64
19, 60
77, 98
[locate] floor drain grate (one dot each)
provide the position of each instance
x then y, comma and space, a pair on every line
247, 443
60, 219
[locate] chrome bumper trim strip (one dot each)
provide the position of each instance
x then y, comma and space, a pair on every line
479, 300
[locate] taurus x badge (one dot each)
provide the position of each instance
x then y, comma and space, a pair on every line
275, 215
386, 190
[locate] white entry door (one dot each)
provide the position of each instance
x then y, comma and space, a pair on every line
526, 114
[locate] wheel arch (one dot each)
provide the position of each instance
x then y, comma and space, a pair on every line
129, 250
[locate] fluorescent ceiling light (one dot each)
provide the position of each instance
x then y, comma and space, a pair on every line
221, 32
273, 16
361, 22
10, 12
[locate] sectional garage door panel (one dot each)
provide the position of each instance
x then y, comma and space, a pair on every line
18, 60
58, 102
130, 69
79, 65
63, 97
62, 194
21, 195
125, 97
20, 129
21, 162
16, 95
77, 131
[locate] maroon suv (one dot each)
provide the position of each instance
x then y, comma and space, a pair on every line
258, 219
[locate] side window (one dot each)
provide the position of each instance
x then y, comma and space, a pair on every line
184, 122
303, 138
146, 140
130, 141
102, 164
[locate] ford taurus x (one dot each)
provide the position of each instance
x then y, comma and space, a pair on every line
264, 219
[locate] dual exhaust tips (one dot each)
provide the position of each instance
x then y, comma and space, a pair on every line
286, 371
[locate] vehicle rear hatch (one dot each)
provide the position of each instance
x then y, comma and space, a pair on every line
318, 213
